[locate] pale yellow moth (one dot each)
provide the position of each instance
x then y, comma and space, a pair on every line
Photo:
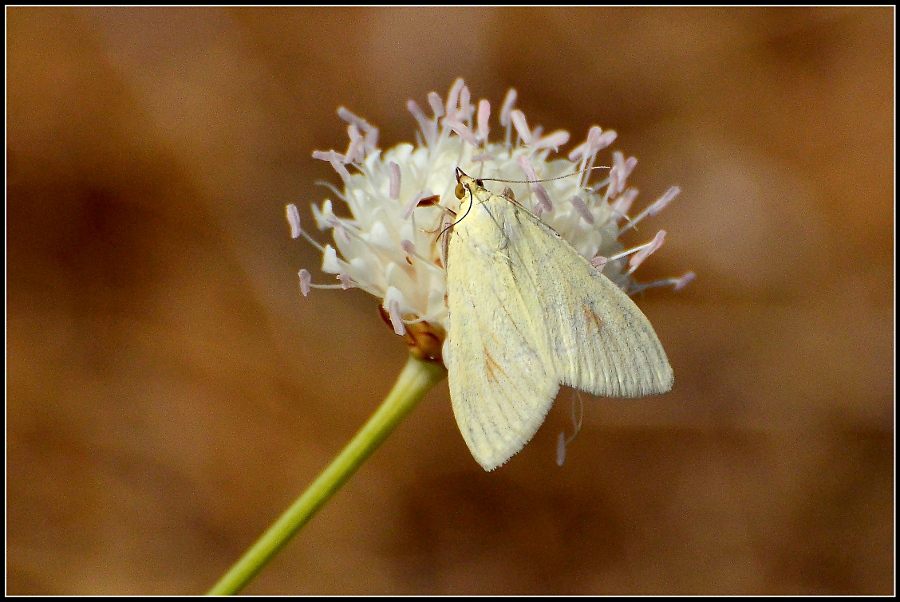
528, 313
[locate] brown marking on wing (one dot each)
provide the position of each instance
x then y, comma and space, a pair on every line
491, 367
592, 316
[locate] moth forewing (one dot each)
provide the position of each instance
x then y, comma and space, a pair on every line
526, 313
502, 382
601, 341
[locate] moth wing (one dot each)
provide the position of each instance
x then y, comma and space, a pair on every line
600, 340
502, 378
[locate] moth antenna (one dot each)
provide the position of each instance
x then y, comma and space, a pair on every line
471, 202
544, 179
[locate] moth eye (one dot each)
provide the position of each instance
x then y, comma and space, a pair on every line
460, 191
480, 183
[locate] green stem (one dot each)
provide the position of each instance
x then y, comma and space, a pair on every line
417, 377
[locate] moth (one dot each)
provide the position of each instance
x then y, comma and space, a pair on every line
528, 313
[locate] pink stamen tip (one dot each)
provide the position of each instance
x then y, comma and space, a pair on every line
337, 161
428, 127
461, 130
622, 204
346, 281
613, 187
664, 200
293, 218
339, 228
305, 280
408, 247
351, 117
356, 151
356, 148
328, 156
396, 320
453, 97
518, 121
464, 107
637, 259
484, 114
527, 168
582, 210
507, 107
413, 107
425, 124
543, 197
544, 203
599, 261
395, 180
437, 105
631, 162
554, 140
684, 280
342, 171
593, 140
617, 173
608, 137
578, 152
371, 140
644, 253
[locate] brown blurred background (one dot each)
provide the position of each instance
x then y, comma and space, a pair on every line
170, 392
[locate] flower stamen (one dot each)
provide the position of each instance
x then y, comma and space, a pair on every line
654, 208
385, 247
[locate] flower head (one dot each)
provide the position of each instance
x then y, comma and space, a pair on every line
398, 199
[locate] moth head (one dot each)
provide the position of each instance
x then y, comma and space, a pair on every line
464, 183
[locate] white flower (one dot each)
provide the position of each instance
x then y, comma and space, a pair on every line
397, 199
